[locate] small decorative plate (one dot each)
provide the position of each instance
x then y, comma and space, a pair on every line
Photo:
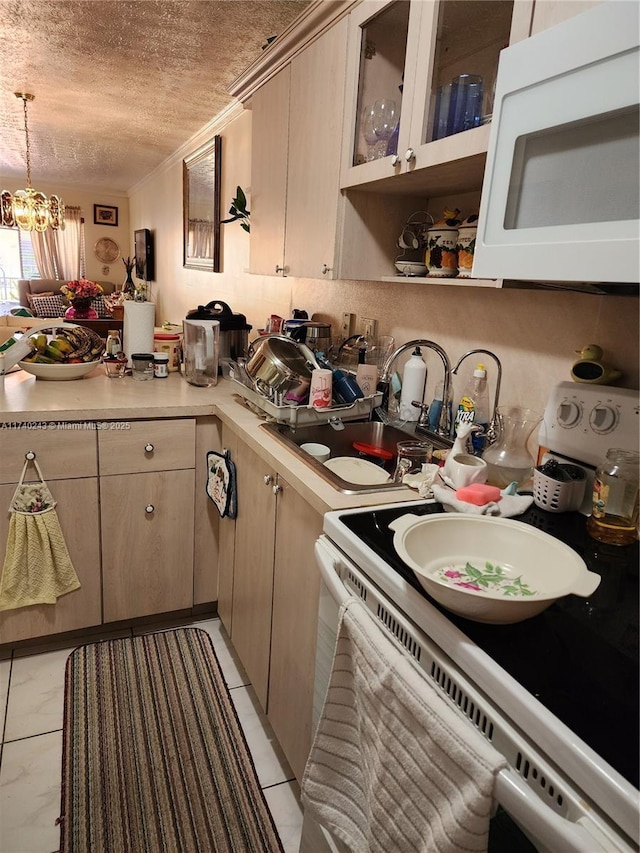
106, 250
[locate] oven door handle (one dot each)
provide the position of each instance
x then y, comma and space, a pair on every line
551, 831
329, 564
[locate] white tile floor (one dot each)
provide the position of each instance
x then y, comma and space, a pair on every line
31, 707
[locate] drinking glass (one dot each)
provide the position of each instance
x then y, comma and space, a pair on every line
385, 120
368, 133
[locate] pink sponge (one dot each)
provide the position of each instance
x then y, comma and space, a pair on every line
478, 494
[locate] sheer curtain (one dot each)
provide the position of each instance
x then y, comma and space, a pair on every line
59, 254
200, 242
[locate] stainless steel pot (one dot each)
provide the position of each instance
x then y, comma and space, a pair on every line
278, 366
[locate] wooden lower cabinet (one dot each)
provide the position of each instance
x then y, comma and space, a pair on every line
77, 509
253, 567
147, 543
296, 589
268, 596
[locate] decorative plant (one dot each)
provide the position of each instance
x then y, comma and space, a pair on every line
238, 210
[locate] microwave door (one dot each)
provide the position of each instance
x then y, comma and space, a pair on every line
561, 198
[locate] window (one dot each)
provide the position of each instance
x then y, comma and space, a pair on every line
16, 261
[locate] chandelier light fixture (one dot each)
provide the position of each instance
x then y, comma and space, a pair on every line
28, 209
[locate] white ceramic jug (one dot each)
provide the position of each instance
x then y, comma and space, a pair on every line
201, 347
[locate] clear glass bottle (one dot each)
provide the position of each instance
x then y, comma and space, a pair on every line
114, 344
614, 515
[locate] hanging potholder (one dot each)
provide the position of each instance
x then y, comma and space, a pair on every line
221, 482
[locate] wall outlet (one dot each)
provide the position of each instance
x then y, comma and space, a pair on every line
348, 324
368, 327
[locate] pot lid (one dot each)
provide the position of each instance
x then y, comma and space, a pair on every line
218, 310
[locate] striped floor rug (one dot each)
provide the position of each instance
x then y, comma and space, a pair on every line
154, 759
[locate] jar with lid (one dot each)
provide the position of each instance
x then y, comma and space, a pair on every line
614, 515
114, 344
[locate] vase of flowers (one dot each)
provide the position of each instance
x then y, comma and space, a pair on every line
80, 294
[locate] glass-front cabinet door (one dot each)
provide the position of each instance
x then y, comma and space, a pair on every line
420, 85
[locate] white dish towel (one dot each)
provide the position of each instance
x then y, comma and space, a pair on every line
394, 769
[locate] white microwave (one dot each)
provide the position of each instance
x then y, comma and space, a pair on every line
561, 195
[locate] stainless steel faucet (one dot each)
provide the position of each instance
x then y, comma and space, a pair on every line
444, 426
492, 429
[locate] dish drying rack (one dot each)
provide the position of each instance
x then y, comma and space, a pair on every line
305, 415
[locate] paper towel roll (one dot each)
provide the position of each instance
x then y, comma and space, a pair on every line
139, 321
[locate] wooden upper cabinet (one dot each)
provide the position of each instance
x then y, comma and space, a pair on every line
297, 128
406, 50
269, 154
315, 134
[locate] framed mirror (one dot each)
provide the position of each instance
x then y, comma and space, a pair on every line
201, 176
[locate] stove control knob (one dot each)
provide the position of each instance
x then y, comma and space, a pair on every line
569, 414
603, 418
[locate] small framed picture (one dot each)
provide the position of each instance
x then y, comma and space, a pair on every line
103, 214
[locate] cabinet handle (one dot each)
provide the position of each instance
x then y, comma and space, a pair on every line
279, 268
325, 269
149, 448
276, 489
395, 160
409, 155
267, 479
149, 509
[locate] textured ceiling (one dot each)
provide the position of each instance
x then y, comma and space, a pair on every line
120, 86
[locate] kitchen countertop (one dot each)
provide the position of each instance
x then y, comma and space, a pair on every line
27, 401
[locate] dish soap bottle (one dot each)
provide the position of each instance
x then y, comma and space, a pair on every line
473, 407
413, 382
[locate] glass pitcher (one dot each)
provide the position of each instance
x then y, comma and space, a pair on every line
201, 351
508, 458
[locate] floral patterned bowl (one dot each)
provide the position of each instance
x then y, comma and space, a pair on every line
490, 569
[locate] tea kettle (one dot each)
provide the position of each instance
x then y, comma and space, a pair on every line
201, 346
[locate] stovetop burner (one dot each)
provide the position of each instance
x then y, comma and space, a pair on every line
579, 657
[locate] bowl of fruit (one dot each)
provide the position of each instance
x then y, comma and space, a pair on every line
62, 352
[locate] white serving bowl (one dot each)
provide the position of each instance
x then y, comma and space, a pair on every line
411, 268
537, 569
58, 372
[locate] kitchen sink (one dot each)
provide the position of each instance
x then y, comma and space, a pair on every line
340, 442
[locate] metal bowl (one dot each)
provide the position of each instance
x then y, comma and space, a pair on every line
278, 366
488, 569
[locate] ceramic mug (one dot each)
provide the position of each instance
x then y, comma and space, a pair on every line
463, 469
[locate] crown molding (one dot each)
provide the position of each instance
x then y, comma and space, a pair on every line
312, 22
199, 139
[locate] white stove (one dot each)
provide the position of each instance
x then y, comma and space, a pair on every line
581, 422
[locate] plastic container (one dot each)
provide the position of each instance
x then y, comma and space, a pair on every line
558, 488
614, 515
473, 407
142, 365
413, 381
169, 342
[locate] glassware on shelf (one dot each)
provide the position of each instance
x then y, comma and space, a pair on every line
385, 116
368, 133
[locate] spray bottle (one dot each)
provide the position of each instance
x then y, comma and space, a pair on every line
473, 407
